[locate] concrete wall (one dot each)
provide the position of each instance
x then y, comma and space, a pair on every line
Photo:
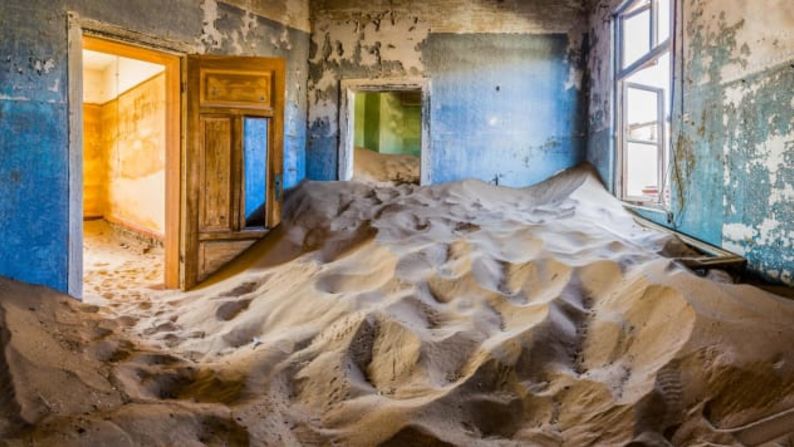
733, 123
507, 102
34, 193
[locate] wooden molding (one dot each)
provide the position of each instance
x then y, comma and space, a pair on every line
713, 257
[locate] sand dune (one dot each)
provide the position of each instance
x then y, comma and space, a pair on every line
377, 168
459, 314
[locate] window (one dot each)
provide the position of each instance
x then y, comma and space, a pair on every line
643, 86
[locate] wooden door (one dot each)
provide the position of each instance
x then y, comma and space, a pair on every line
234, 158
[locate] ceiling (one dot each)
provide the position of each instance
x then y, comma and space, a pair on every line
106, 76
93, 60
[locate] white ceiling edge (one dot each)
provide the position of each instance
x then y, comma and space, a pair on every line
106, 76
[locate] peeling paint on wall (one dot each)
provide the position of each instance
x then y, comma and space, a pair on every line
366, 43
292, 13
733, 176
34, 192
467, 16
489, 63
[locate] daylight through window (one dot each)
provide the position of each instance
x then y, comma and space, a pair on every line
644, 99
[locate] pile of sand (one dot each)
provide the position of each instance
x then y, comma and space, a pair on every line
376, 168
461, 314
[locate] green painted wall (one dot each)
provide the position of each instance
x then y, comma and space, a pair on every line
387, 123
372, 121
358, 122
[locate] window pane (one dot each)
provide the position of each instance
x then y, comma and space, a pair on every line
665, 13
636, 36
255, 142
642, 171
642, 115
637, 5
656, 75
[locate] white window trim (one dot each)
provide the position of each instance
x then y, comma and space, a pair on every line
620, 75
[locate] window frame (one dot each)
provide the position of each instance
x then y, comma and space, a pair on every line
621, 76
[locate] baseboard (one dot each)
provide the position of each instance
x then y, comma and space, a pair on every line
136, 231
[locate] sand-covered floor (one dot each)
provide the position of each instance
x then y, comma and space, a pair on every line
118, 268
461, 314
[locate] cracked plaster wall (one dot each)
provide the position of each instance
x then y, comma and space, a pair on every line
507, 100
34, 190
733, 119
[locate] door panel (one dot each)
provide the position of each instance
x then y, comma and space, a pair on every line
215, 254
235, 89
234, 158
216, 164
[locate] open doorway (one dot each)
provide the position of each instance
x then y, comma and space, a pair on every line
130, 133
388, 136
384, 132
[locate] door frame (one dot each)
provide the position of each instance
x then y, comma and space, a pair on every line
347, 111
84, 33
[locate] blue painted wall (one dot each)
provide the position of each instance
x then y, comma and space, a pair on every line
34, 194
501, 111
33, 142
507, 106
733, 124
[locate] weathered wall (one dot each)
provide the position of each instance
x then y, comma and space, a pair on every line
400, 126
372, 122
94, 162
733, 176
134, 144
506, 96
34, 110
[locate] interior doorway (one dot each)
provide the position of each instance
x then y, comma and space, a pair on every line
384, 131
185, 175
388, 136
130, 160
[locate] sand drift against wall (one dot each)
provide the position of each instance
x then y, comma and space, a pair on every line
375, 168
461, 314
